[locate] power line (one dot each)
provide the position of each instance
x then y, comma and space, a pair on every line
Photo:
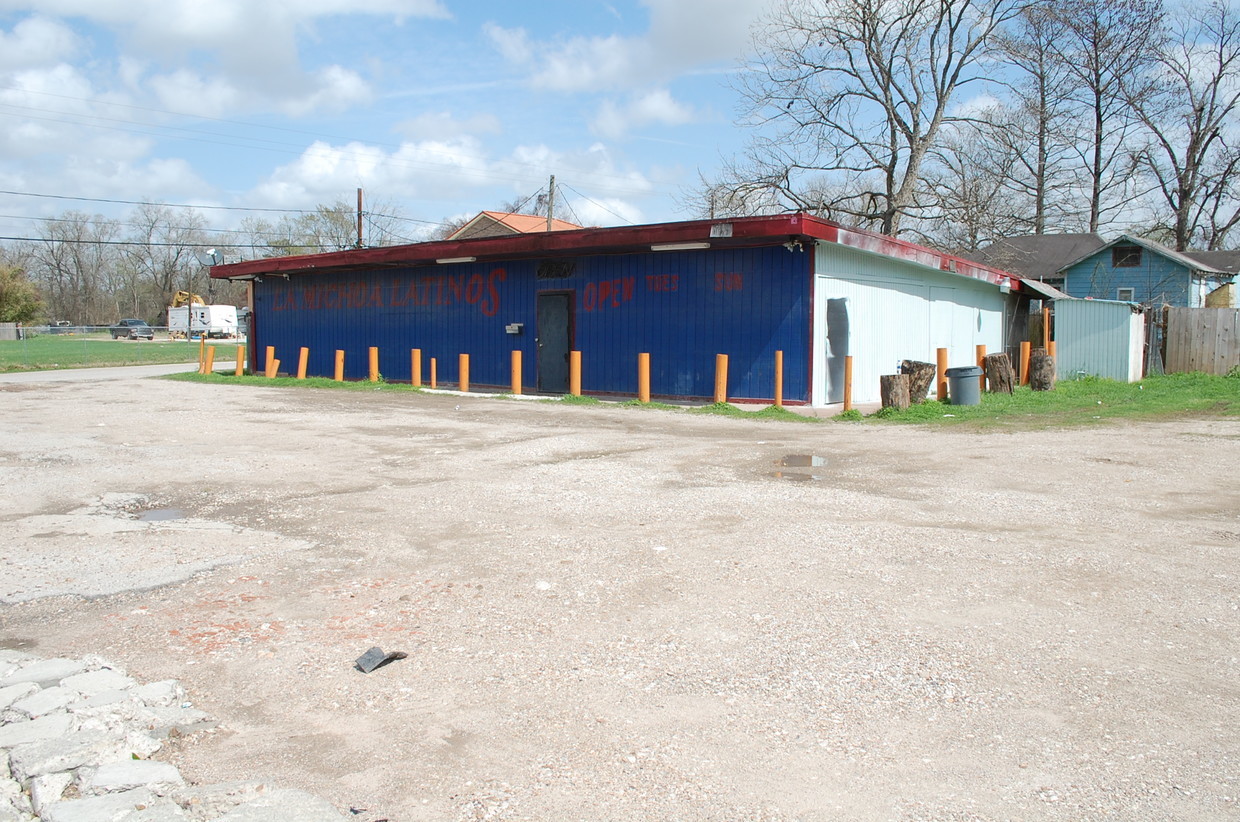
148, 202
600, 205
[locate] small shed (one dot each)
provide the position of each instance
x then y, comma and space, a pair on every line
1100, 338
681, 292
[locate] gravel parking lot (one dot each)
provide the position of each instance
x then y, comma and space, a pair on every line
625, 614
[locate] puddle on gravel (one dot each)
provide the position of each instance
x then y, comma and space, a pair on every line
161, 515
799, 461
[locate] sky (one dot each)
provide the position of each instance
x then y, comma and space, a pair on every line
436, 108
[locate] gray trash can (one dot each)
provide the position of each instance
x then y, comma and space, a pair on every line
963, 386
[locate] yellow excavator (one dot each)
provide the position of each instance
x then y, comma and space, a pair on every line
185, 298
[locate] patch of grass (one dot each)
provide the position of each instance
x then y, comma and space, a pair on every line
228, 378
1086, 401
772, 412
46, 352
725, 409
573, 399
661, 406
851, 415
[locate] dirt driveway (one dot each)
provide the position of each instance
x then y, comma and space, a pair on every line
624, 614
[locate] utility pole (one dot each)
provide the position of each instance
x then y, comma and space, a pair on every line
550, 202
359, 218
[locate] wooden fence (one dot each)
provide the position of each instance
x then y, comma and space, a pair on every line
1202, 339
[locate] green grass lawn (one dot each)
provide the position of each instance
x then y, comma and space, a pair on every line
1073, 402
54, 351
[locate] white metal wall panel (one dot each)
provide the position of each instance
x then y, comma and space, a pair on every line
1101, 338
891, 310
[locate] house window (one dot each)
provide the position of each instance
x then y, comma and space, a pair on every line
1127, 295
1125, 256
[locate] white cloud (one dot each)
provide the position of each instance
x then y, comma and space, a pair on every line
234, 52
682, 34
35, 42
658, 106
446, 171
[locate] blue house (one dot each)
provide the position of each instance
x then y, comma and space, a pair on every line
1131, 269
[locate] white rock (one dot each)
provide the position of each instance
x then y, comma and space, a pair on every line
48, 789
125, 775
96, 682
112, 807
45, 672
283, 805
13, 693
162, 694
206, 803
100, 700
65, 753
46, 701
52, 726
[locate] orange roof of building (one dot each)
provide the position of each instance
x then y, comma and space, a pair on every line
517, 223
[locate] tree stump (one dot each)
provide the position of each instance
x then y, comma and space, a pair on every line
1041, 370
893, 388
920, 378
999, 374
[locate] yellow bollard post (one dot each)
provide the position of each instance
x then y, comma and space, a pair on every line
374, 364
463, 373
415, 367
202, 354
1024, 362
339, 372
574, 373
643, 378
721, 378
848, 377
303, 360
981, 363
779, 379
1051, 348
940, 376
1046, 327
516, 372
209, 366
434, 381
273, 368
271, 355
240, 361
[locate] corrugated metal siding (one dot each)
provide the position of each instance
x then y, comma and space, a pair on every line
1157, 279
895, 311
681, 307
1101, 338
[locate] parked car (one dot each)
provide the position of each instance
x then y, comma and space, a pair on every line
133, 330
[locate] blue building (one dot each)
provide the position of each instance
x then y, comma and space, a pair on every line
1131, 269
681, 292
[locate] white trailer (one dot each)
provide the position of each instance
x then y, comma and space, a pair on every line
202, 320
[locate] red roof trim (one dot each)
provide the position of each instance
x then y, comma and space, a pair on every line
742, 231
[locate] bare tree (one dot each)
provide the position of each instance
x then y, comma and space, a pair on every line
970, 202
166, 242
1108, 46
1190, 115
72, 264
859, 90
1037, 129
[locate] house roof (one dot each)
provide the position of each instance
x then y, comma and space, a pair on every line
1225, 261
492, 223
1191, 260
1038, 256
780, 229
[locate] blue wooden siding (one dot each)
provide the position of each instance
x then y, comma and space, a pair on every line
682, 308
1157, 279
